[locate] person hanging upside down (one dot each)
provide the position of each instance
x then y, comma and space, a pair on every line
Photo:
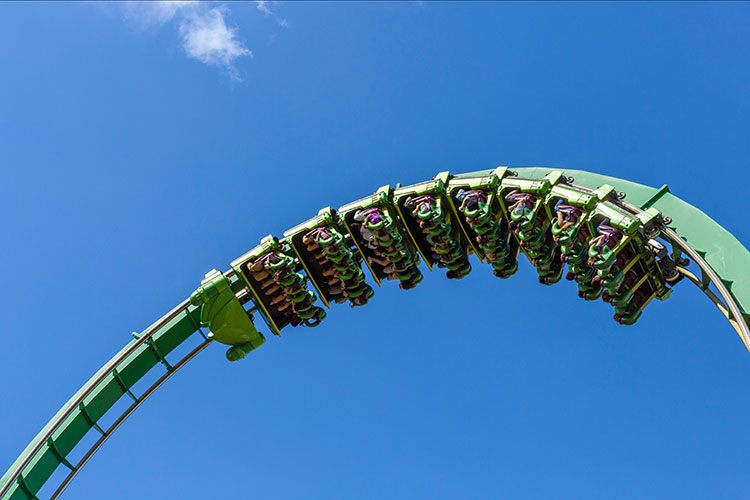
520, 200
567, 215
606, 236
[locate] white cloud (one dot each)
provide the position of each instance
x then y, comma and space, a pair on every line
206, 37
155, 14
203, 30
265, 7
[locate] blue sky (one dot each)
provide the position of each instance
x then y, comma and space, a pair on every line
143, 145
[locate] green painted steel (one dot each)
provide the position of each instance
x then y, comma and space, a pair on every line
721, 250
223, 314
495, 214
81, 414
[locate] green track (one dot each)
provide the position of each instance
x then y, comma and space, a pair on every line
291, 281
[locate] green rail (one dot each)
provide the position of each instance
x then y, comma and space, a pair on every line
221, 302
723, 260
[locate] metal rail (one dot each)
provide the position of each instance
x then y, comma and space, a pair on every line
735, 314
731, 308
73, 404
125, 415
712, 296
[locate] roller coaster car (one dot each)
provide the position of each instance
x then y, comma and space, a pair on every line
330, 259
571, 207
571, 230
610, 247
629, 314
625, 262
278, 290
478, 215
380, 238
429, 222
525, 206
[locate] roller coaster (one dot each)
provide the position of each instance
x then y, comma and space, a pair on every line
623, 243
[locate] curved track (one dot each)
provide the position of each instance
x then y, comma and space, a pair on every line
638, 240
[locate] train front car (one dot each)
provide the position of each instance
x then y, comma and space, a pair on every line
624, 257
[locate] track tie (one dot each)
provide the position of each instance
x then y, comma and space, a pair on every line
159, 357
21, 481
85, 412
59, 456
122, 385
